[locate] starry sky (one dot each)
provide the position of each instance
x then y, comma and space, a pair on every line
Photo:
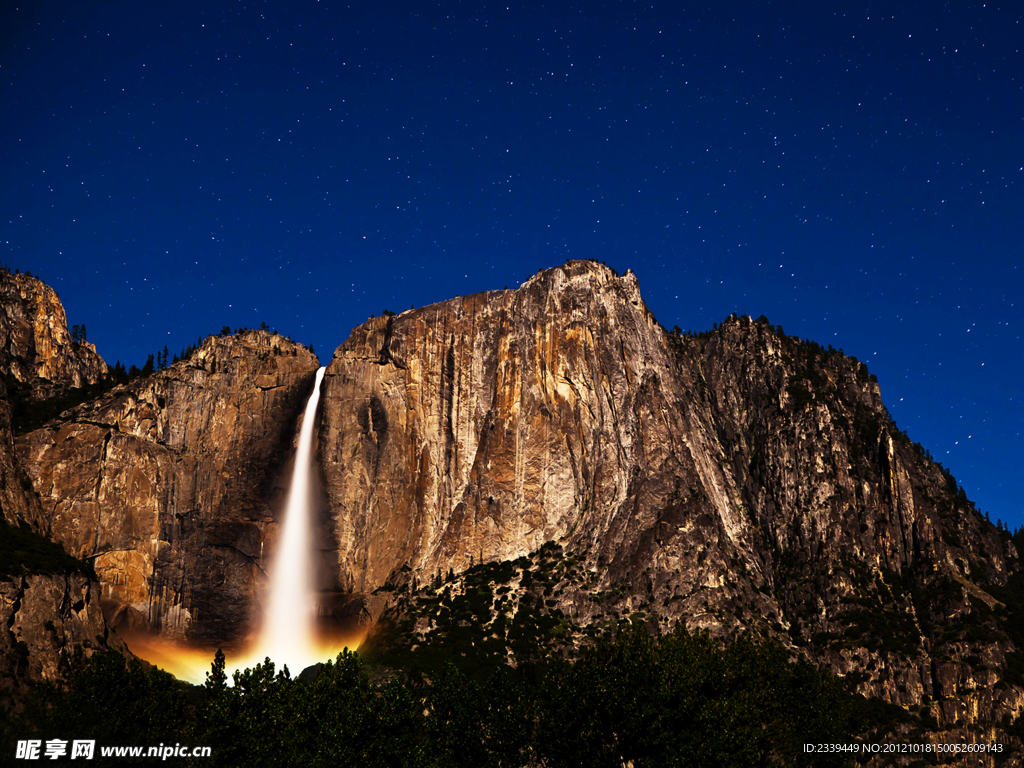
854, 171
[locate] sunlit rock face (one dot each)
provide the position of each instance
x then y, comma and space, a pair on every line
38, 355
35, 345
741, 479
484, 426
168, 484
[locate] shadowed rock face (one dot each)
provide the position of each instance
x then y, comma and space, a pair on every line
35, 345
42, 617
167, 484
741, 479
17, 500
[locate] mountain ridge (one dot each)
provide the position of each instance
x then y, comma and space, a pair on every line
708, 478
736, 480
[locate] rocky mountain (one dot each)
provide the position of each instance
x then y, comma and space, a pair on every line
36, 348
552, 454
167, 484
736, 480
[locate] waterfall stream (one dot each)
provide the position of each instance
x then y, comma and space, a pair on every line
288, 633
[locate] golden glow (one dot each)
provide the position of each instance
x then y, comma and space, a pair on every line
190, 663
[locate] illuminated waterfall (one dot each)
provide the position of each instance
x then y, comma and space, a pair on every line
288, 634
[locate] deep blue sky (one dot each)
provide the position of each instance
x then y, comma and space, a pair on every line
853, 171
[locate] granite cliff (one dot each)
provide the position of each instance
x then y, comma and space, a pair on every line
167, 484
735, 480
38, 360
36, 348
49, 604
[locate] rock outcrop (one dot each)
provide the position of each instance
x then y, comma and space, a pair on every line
39, 359
45, 616
17, 499
167, 484
739, 479
36, 348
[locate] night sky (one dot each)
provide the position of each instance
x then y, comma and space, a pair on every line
853, 171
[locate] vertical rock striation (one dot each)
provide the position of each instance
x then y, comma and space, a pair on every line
484, 426
739, 479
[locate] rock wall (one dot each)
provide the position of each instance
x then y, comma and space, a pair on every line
35, 346
17, 499
37, 356
735, 480
740, 479
877, 560
43, 617
484, 426
167, 484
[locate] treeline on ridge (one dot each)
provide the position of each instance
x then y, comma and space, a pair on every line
28, 414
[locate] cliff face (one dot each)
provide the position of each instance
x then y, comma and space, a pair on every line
17, 500
878, 562
45, 616
38, 357
36, 348
167, 484
484, 426
737, 480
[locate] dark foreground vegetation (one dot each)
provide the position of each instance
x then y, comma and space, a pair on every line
675, 701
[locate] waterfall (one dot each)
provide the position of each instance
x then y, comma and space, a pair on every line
288, 634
